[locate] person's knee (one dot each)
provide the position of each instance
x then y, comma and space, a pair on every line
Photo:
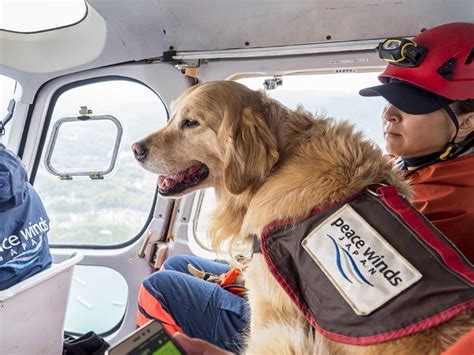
155, 281
176, 263
148, 281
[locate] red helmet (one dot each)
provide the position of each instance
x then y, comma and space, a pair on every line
447, 69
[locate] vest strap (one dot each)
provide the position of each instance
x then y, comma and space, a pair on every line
256, 248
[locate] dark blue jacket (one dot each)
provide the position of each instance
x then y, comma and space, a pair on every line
24, 224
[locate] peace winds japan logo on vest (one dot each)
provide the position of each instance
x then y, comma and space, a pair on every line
22, 249
365, 269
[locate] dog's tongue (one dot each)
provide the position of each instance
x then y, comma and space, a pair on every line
166, 182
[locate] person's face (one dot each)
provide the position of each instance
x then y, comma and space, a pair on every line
408, 135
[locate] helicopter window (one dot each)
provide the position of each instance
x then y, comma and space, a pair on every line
41, 15
91, 310
200, 243
334, 94
106, 208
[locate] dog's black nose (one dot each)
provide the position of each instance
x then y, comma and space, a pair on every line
140, 151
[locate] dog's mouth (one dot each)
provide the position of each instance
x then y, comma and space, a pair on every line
173, 184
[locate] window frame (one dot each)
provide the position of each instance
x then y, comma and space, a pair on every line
42, 145
4, 119
197, 214
83, 173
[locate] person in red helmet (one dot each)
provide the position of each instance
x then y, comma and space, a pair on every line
429, 123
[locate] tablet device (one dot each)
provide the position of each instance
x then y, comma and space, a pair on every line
150, 339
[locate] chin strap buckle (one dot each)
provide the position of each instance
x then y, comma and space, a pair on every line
445, 155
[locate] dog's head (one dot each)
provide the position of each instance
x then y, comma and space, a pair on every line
218, 135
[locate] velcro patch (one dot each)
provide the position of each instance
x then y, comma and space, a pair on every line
365, 269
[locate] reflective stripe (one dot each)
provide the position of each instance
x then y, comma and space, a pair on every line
141, 319
153, 308
448, 254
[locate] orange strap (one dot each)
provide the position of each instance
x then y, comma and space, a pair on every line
154, 309
227, 282
464, 346
229, 277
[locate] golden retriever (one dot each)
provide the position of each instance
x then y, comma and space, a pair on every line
266, 163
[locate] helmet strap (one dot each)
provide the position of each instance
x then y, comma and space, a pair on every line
451, 147
451, 151
415, 162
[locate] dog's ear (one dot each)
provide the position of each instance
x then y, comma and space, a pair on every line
250, 150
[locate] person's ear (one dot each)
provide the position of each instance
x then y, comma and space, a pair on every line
466, 126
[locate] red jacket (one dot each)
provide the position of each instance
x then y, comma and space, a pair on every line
444, 193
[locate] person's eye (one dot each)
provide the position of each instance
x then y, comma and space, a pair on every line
188, 122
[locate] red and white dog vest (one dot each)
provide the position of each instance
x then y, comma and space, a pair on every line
369, 269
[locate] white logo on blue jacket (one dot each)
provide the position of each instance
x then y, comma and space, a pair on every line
24, 224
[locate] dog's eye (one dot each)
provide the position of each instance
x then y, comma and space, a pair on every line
190, 123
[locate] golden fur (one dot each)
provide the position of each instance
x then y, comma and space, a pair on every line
267, 162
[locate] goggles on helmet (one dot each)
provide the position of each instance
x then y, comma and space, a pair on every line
401, 52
